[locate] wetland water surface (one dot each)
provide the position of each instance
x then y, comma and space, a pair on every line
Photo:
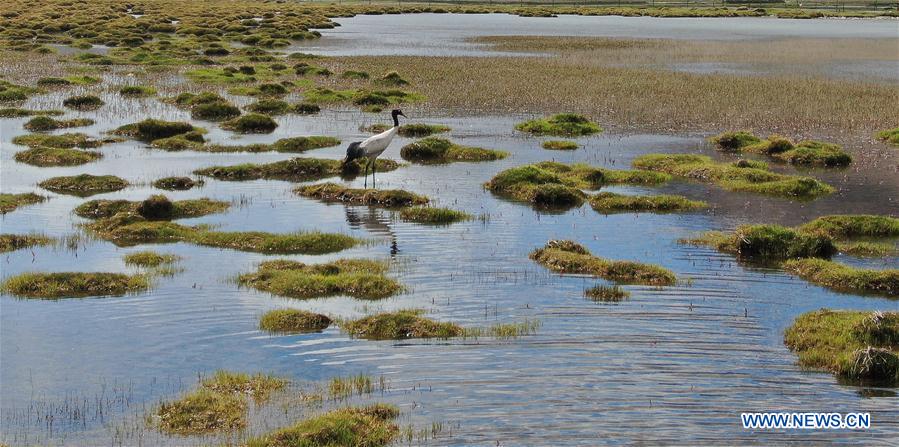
670, 365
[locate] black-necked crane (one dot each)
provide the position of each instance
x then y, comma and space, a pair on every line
373, 146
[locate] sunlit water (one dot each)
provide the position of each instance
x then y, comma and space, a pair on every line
670, 365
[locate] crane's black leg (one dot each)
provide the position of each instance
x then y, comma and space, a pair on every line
365, 173
374, 166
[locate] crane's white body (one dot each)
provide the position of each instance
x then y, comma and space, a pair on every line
375, 145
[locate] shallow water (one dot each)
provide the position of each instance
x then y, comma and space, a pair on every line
670, 365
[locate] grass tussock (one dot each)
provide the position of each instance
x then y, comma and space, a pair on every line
293, 321
251, 123
9, 202
84, 185
60, 141
804, 153
359, 278
137, 91
13, 242
49, 156
560, 125
413, 130
844, 226
73, 285
504, 330
607, 202
332, 192
845, 278
399, 325
606, 294
369, 426
746, 176
84, 102
45, 123
17, 112
559, 145
150, 259
440, 150
867, 249
890, 136
854, 345
572, 258
294, 170
153, 129
154, 208
768, 243
126, 229
433, 215
258, 386
176, 183
556, 185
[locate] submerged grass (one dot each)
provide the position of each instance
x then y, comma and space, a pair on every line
332, 192
440, 150
369, 426
433, 215
293, 321
606, 294
9, 202
504, 330
84, 185
399, 325
359, 278
857, 346
73, 284
607, 202
296, 170
572, 258
742, 175
561, 125
845, 278
154, 208
49, 156
13, 242
150, 259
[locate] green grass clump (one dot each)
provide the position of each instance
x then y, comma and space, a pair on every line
842, 226
293, 321
251, 123
15, 112
769, 243
332, 192
359, 278
560, 145
137, 91
433, 216
399, 325
414, 130
13, 242
854, 345
608, 202
734, 141
845, 278
150, 259
176, 183
73, 284
154, 208
890, 136
562, 125
84, 102
295, 170
742, 175
320, 95
258, 386
504, 330
304, 69
186, 141
392, 79
9, 202
303, 144
202, 411
353, 74
48, 156
45, 123
805, 153
62, 141
305, 108
572, 258
556, 185
867, 249
269, 107
214, 111
84, 185
606, 294
14, 92
440, 150
218, 76
369, 426
153, 129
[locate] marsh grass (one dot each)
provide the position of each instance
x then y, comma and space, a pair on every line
854, 345
84, 102
295, 170
15, 112
890, 136
9, 202
844, 226
560, 125
369, 426
257, 386
269, 107
154, 208
845, 278
504, 330
440, 150
13, 242
607, 202
176, 183
60, 141
867, 249
402, 324
13, 92
433, 215
768, 243
150, 259
73, 285
804, 153
48, 156
153, 129
569, 257
293, 321
251, 123
345, 387
137, 91
202, 411
45, 123
84, 185
606, 294
332, 192
359, 278
559, 145
746, 176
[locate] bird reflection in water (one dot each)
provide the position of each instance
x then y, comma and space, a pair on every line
370, 219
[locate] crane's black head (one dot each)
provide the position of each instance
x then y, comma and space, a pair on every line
395, 113
353, 152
